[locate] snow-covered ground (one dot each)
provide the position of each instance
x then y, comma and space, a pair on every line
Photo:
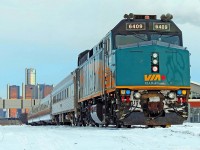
182, 137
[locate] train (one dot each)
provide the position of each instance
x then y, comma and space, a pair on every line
138, 74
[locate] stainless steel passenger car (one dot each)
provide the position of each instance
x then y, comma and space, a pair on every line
63, 100
41, 113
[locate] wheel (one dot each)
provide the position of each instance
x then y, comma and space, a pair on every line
106, 125
128, 126
150, 126
118, 125
165, 126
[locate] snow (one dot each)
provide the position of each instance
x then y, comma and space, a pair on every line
182, 137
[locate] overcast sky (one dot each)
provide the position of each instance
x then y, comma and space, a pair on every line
48, 35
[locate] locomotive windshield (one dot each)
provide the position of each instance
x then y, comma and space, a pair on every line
130, 39
172, 39
122, 40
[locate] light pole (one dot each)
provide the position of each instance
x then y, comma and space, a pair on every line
31, 88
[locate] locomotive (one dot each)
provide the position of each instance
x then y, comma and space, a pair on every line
138, 74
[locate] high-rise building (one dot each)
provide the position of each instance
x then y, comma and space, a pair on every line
47, 90
34, 92
2, 112
38, 91
44, 90
31, 92
30, 76
13, 92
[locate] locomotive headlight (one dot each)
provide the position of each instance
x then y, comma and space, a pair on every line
179, 92
184, 92
155, 55
123, 92
154, 68
171, 95
128, 92
155, 61
137, 95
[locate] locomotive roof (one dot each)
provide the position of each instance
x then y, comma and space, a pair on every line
145, 23
148, 25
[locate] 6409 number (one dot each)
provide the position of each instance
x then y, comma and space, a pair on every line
135, 26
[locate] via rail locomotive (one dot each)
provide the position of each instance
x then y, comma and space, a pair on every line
138, 74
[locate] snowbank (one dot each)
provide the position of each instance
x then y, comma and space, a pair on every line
183, 137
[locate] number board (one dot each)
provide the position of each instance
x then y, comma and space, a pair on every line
136, 26
161, 26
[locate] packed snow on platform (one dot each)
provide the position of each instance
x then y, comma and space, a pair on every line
182, 137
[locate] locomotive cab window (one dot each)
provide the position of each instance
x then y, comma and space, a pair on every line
172, 39
130, 39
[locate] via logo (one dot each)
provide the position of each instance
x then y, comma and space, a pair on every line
154, 77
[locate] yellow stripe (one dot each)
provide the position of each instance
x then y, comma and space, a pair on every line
96, 95
110, 90
153, 87
136, 88
90, 97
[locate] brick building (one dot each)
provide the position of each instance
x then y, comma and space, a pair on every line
34, 92
13, 92
44, 90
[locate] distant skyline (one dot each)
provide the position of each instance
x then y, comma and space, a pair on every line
48, 35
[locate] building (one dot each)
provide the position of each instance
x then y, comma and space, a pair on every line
38, 91
31, 92
44, 90
194, 103
2, 112
30, 76
29, 89
34, 92
13, 92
